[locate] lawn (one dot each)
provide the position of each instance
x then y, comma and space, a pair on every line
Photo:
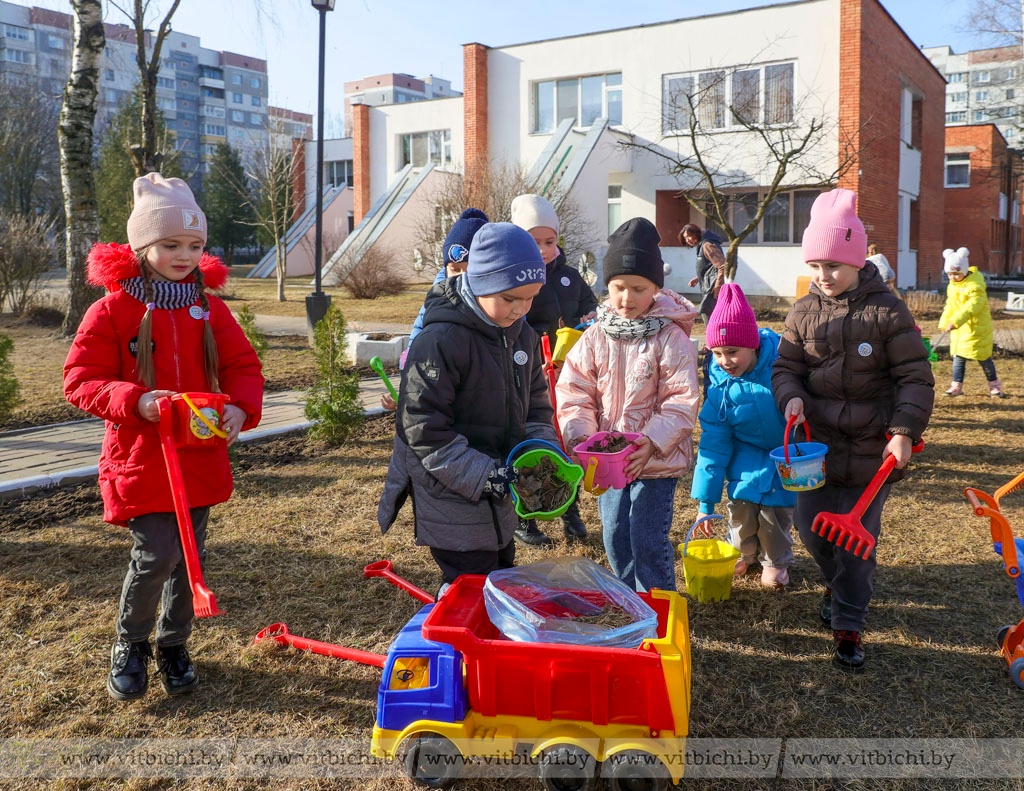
291, 544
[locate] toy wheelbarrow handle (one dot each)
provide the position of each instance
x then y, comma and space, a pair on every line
278, 632
382, 568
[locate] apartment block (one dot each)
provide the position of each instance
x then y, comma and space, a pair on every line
381, 89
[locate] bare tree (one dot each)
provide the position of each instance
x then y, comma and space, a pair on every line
493, 193
273, 172
75, 138
27, 119
998, 21
786, 135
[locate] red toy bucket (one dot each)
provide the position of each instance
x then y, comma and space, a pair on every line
197, 418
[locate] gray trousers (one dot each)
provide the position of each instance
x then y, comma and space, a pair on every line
157, 577
761, 532
851, 578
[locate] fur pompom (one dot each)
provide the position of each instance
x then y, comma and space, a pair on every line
109, 263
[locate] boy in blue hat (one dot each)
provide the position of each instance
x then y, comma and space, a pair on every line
473, 387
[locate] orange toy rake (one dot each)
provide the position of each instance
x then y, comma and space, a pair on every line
846, 531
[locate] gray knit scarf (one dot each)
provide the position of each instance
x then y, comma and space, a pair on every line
614, 326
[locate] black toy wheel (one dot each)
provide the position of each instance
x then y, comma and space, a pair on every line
566, 767
636, 770
1001, 635
431, 760
1017, 671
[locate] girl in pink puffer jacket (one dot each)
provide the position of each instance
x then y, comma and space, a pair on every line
635, 370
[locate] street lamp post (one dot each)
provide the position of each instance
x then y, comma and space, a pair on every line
318, 302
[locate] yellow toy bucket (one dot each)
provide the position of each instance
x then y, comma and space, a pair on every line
565, 339
708, 565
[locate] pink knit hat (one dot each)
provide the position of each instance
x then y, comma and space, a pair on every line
163, 208
732, 322
835, 232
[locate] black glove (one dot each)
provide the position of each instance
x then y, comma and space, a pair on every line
498, 481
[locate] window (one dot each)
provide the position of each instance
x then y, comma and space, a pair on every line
211, 73
217, 130
56, 42
753, 95
110, 96
783, 222
1010, 93
957, 77
165, 103
982, 76
958, 170
237, 116
422, 147
614, 206
254, 119
108, 75
980, 115
957, 98
255, 82
236, 98
212, 111
255, 101
582, 99
213, 93
956, 118
17, 33
17, 56
236, 79
338, 173
981, 96
165, 82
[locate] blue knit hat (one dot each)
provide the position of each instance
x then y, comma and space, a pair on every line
455, 249
502, 257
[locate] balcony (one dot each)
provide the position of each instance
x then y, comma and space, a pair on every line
211, 82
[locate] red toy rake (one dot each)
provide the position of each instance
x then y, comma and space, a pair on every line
846, 530
549, 369
204, 604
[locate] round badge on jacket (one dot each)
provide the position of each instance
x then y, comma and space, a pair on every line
520, 357
864, 350
565, 281
196, 311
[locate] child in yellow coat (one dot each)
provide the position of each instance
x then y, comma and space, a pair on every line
968, 321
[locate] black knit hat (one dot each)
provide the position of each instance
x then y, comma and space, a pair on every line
455, 249
633, 250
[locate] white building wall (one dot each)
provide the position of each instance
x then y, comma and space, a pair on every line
335, 150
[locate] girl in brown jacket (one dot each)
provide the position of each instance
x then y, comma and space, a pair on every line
853, 365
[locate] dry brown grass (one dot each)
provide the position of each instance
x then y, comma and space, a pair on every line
291, 544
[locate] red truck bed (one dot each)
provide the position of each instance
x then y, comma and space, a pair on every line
551, 681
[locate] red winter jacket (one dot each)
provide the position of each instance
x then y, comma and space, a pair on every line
99, 377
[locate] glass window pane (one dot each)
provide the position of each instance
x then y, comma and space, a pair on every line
419, 150
614, 216
802, 202
544, 107
676, 100
778, 93
711, 109
614, 192
591, 90
614, 106
568, 100
710, 221
746, 95
743, 210
775, 223
613, 79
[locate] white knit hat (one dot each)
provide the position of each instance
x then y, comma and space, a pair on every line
163, 208
534, 211
956, 260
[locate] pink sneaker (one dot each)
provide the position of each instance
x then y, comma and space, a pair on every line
775, 576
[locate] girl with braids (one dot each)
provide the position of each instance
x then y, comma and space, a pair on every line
157, 333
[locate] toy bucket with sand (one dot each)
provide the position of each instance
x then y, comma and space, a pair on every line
606, 470
801, 465
708, 565
197, 418
544, 463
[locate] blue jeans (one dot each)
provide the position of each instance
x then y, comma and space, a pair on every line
960, 368
636, 522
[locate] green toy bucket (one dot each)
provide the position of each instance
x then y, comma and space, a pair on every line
570, 474
708, 565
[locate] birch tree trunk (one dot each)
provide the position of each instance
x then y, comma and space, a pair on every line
75, 140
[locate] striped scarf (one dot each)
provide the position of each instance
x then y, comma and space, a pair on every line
167, 295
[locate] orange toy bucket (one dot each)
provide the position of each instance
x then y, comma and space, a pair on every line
197, 418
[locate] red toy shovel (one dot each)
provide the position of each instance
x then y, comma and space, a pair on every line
846, 530
204, 605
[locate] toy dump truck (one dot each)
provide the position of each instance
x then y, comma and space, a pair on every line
454, 691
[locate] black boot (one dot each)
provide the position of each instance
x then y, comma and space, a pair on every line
825, 613
849, 653
572, 524
529, 533
177, 673
129, 670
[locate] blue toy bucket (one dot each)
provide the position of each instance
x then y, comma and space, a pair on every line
569, 473
801, 465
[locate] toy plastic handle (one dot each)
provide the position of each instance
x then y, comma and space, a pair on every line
203, 418
588, 478
790, 426
378, 365
550, 445
382, 568
279, 633
545, 347
697, 524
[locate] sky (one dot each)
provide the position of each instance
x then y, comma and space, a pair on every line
367, 37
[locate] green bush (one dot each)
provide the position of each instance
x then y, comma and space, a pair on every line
256, 336
8, 383
333, 402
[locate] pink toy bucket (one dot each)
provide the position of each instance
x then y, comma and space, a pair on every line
605, 470
197, 418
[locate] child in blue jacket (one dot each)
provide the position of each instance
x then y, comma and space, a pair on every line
740, 425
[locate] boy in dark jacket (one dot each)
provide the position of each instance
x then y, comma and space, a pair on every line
853, 365
473, 387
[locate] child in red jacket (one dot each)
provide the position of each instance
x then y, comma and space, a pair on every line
156, 333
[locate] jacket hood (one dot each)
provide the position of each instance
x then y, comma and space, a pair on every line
870, 282
762, 370
109, 263
670, 305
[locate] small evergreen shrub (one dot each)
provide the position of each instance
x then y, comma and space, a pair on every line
8, 383
333, 402
256, 336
